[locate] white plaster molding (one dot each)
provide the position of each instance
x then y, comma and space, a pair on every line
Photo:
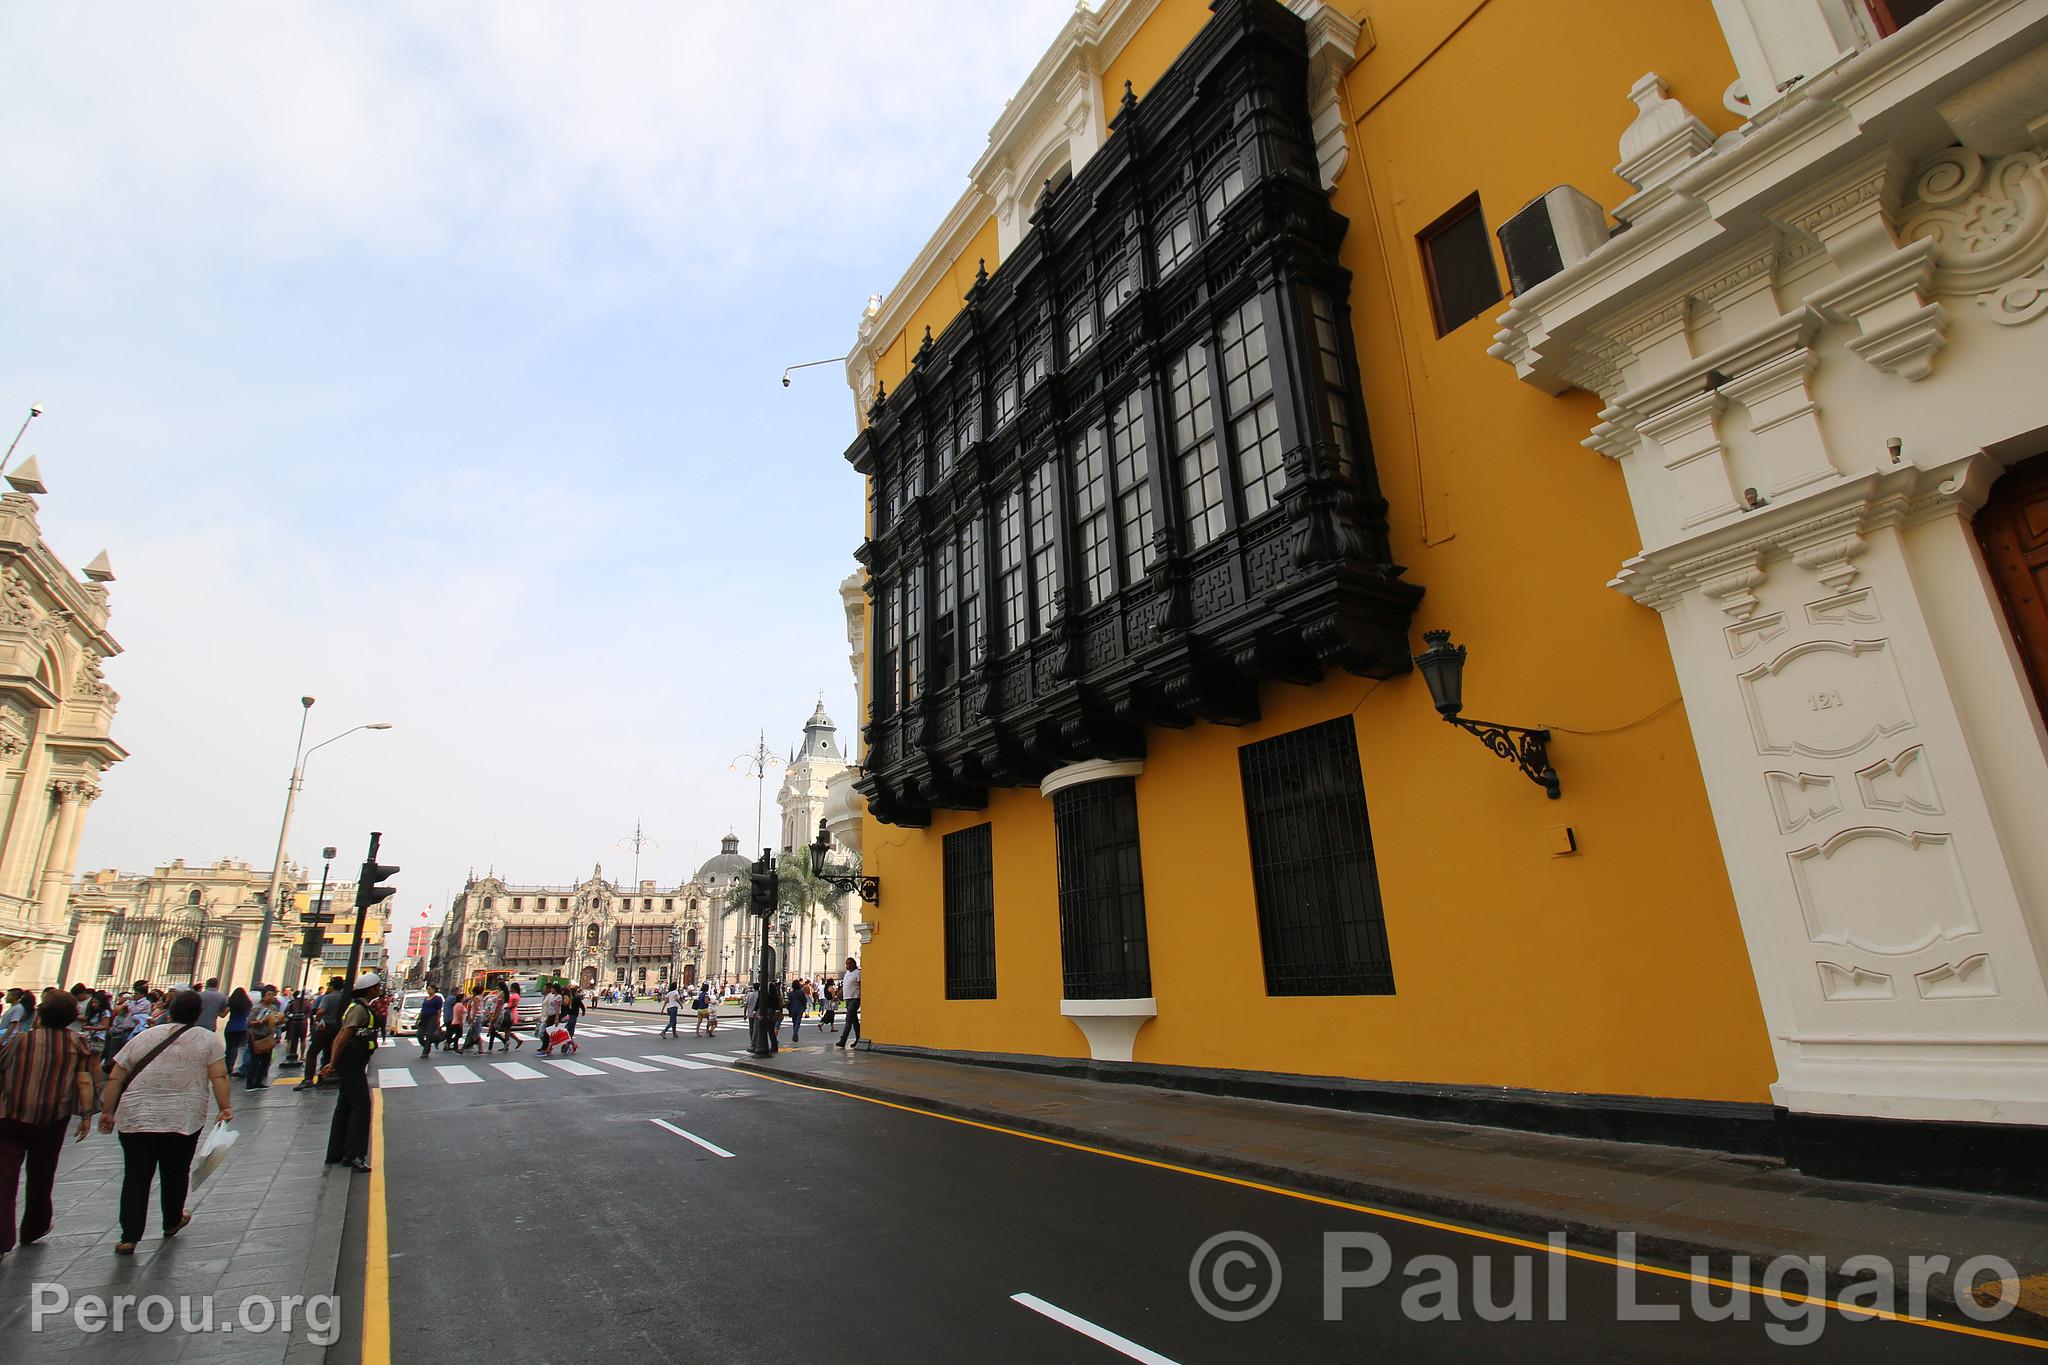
1664, 137
1110, 1026
1089, 770
2006, 111
1335, 42
1988, 224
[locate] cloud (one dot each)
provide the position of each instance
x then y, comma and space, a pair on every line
424, 357
584, 142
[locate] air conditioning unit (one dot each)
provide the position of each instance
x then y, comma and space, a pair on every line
1555, 230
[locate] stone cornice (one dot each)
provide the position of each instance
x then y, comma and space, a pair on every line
1719, 561
1733, 195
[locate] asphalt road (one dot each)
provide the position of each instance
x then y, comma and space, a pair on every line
563, 1217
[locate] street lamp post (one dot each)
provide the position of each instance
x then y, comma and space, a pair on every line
301, 755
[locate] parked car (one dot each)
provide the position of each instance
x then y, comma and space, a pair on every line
405, 1019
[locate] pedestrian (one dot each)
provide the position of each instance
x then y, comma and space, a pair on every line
673, 1002
236, 1034
550, 1015
849, 991
14, 1019
212, 1004
156, 1100
382, 1010
798, 998
428, 1023
573, 1010
326, 1023
296, 1011
265, 1018
702, 1005
46, 1077
348, 1136
831, 1004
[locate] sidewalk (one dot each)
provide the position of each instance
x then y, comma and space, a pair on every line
1680, 1202
266, 1226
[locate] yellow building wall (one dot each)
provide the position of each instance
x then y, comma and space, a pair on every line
1618, 969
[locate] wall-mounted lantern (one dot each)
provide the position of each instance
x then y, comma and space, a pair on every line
1443, 668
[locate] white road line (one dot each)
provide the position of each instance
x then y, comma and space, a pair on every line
457, 1075
518, 1071
717, 1056
624, 1063
597, 1032
684, 1062
575, 1068
1121, 1345
395, 1078
710, 1147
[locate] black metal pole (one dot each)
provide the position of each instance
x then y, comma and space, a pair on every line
319, 908
355, 947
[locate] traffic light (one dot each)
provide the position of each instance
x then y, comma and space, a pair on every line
368, 893
766, 885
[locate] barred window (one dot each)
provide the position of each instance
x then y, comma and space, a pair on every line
1117, 288
1080, 328
1010, 568
971, 645
1225, 181
889, 614
1091, 517
968, 420
1104, 954
970, 915
946, 590
1252, 410
1176, 244
1194, 448
1133, 484
1330, 372
911, 485
1045, 560
1321, 926
946, 445
913, 633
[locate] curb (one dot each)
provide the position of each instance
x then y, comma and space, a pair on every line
1504, 1216
323, 1268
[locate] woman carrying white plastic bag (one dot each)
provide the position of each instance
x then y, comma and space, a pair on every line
212, 1150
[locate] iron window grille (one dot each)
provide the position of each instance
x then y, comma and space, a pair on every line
970, 914
1104, 954
1322, 930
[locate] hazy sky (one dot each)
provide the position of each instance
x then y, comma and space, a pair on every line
425, 358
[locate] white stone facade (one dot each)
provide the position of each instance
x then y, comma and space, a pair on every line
596, 932
183, 923
56, 714
1819, 345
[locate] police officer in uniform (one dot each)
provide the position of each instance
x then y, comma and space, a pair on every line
348, 1137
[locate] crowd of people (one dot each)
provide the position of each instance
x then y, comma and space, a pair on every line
151, 1062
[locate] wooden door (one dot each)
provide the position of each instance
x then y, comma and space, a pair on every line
2013, 529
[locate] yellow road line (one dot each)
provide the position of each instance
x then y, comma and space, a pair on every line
377, 1258
1415, 1220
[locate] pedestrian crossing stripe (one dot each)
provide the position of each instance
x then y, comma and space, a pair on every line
718, 1056
573, 1068
684, 1063
454, 1075
518, 1071
394, 1079
624, 1063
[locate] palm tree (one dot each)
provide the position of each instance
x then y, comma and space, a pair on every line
806, 892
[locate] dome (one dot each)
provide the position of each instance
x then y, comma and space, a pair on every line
727, 864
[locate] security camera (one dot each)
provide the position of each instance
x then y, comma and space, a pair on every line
36, 409
785, 381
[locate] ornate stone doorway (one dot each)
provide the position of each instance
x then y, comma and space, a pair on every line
589, 978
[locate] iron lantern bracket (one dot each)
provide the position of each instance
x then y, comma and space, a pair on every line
869, 888
1527, 749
